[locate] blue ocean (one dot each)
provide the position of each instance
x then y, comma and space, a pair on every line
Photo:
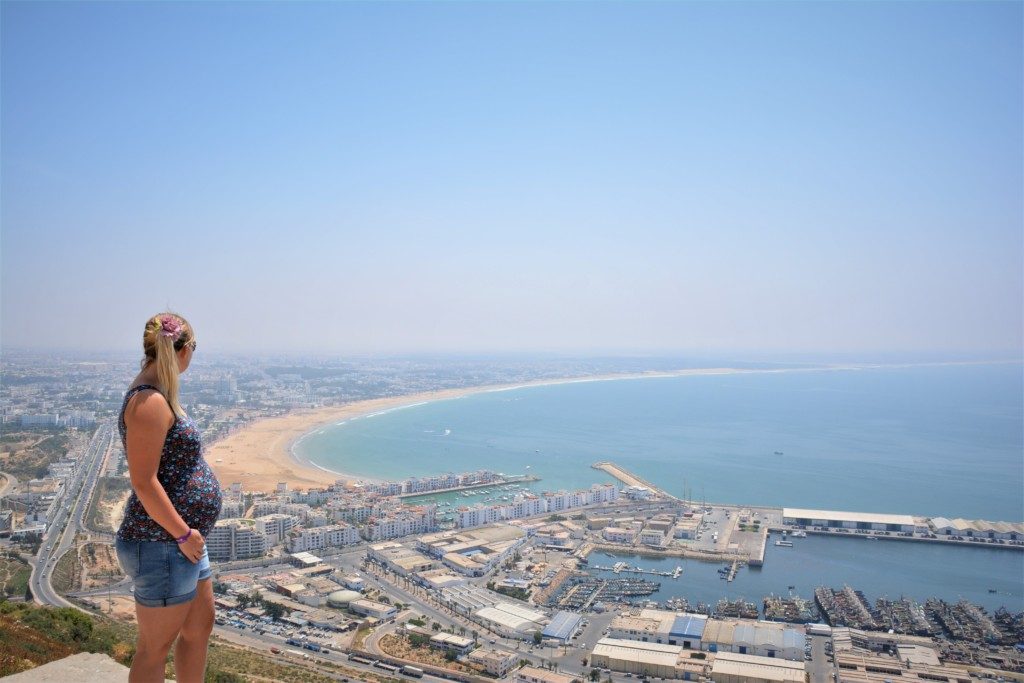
943, 440
938, 440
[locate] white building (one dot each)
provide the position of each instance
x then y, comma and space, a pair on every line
527, 505
316, 538
377, 610
653, 537
834, 519
275, 527
353, 582
419, 520
638, 492
231, 508
495, 662
615, 534
235, 539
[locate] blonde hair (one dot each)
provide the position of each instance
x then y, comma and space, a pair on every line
163, 350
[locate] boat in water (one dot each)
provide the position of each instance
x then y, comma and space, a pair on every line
784, 544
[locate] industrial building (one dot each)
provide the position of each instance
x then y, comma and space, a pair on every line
512, 621
729, 667
563, 625
977, 528
865, 521
635, 657
869, 668
661, 626
760, 638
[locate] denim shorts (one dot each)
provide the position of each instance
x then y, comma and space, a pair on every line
162, 575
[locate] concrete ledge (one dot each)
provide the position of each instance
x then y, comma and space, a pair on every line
84, 666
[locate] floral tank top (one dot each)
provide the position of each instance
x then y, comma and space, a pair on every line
186, 477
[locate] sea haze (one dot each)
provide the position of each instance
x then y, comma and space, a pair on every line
931, 440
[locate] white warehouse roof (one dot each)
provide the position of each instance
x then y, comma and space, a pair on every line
839, 516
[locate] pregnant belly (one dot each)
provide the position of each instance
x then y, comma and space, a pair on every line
199, 498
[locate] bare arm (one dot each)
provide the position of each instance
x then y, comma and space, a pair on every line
149, 418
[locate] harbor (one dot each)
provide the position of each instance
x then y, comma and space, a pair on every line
505, 483
880, 570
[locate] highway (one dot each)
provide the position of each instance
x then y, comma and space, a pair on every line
69, 519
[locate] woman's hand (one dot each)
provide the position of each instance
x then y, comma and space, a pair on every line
193, 547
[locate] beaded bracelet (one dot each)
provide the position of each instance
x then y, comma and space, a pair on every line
182, 539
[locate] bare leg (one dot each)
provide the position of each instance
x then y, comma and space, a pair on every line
158, 627
190, 648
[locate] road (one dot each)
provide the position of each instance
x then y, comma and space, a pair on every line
61, 533
10, 483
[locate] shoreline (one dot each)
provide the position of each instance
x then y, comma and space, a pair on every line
262, 454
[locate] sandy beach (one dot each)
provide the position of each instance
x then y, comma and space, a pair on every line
260, 454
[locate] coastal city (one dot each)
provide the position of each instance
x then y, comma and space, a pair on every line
468, 576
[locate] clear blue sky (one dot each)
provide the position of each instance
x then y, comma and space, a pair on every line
515, 176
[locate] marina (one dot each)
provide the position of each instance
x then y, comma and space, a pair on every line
620, 567
505, 485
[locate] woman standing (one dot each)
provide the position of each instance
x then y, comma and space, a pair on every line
174, 503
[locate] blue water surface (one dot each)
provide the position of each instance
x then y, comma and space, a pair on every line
936, 440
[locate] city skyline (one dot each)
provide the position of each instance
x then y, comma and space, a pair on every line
562, 178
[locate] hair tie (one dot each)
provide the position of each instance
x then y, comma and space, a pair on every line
170, 327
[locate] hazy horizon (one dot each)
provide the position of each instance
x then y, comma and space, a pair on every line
712, 179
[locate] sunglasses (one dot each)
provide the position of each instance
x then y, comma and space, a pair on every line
192, 345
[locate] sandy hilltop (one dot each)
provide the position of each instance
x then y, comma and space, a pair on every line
259, 455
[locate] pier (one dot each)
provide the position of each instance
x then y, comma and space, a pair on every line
630, 479
620, 567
